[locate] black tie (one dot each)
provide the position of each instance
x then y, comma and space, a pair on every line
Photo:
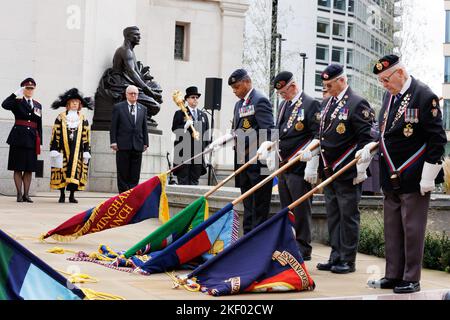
29, 103
132, 111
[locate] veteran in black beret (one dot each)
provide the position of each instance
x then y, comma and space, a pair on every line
297, 124
252, 123
185, 146
344, 133
412, 145
25, 138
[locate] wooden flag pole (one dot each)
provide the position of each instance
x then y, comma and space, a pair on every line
328, 181
274, 174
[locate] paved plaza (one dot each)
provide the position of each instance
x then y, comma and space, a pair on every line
26, 221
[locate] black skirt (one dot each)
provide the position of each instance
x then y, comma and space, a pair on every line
22, 159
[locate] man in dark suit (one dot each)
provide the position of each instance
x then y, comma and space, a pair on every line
297, 124
252, 123
344, 131
412, 142
185, 146
129, 138
25, 137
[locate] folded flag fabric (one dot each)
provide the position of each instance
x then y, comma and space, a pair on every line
23, 276
188, 218
201, 243
147, 200
266, 259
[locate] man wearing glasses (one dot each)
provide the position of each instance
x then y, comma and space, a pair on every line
185, 146
25, 137
344, 131
412, 142
297, 124
129, 138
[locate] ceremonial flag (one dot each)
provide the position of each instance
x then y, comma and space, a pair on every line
147, 200
23, 276
177, 226
206, 240
266, 259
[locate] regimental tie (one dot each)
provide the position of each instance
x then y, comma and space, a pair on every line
29, 103
132, 111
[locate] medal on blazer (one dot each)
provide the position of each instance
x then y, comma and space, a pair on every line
299, 126
341, 128
408, 130
246, 125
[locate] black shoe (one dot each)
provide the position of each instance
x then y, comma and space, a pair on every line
407, 287
384, 283
325, 266
19, 197
73, 200
343, 267
27, 199
62, 198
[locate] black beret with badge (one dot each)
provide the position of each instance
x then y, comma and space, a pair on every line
28, 82
331, 72
237, 76
385, 63
282, 79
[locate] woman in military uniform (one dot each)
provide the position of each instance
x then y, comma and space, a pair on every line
69, 145
25, 137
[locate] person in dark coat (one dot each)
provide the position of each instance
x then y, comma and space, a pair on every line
252, 124
185, 146
412, 146
25, 137
129, 138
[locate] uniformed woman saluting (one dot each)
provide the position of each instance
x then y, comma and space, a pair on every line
25, 137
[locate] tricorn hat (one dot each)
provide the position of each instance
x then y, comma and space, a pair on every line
192, 91
69, 95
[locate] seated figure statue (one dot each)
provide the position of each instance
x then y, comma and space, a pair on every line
126, 70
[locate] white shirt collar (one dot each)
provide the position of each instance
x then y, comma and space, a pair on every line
297, 97
248, 94
406, 86
341, 95
129, 104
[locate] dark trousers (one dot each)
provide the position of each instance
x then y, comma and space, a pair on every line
405, 221
257, 205
343, 216
128, 164
292, 186
189, 174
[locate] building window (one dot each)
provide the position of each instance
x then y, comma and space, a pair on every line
350, 31
322, 53
447, 26
446, 114
349, 57
350, 80
339, 5
339, 29
337, 55
318, 78
181, 41
351, 5
323, 26
324, 3
447, 70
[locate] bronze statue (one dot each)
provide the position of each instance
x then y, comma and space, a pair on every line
126, 70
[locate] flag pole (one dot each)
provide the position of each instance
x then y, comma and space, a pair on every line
274, 174
328, 181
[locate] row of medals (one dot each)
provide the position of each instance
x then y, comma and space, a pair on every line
299, 126
343, 116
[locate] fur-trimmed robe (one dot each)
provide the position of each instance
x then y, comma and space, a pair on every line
74, 170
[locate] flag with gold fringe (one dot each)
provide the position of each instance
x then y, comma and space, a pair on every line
146, 200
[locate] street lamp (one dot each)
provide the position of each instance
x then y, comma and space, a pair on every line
304, 57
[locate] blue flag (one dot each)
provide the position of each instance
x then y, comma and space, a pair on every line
266, 259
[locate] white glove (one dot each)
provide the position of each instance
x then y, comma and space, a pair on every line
306, 154
361, 169
19, 92
217, 143
366, 155
56, 159
263, 150
54, 154
429, 173
311, 170
206, 159
271, 160
188, 123
86, 157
